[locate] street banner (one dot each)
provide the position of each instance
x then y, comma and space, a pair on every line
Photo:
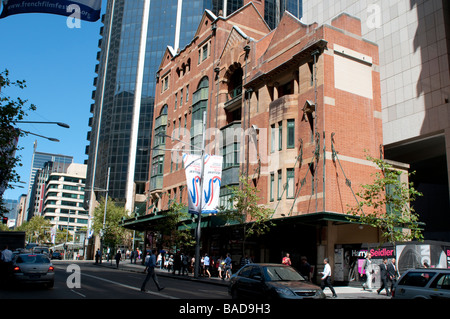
87, 10
53, 234
192, 166
212, 177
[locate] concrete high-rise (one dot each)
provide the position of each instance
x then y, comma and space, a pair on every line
135, 36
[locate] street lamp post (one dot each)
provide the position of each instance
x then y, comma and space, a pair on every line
42, 122
105, 210
57, 123
199, 219
48, 138
104, 213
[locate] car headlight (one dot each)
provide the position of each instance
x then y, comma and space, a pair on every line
285, 291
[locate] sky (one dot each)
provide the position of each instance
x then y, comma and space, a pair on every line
58, 64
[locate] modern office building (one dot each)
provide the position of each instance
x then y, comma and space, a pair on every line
133, 40
39, 161
63, 199
414, 44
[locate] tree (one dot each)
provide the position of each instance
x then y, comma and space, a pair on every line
36, 229
255, 218
11, 111
113, 233
386, 204
169, 227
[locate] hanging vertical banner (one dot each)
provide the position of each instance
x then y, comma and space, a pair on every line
87, 10
53, 234
193, 170
212, 176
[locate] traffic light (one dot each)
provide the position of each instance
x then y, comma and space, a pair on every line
4, 220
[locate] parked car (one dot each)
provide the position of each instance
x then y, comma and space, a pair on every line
56, 255
33, 268
271, 281
426, 283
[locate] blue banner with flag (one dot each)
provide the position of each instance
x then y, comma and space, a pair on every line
87, 10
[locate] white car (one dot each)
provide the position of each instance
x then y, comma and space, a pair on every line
424, 283
34, 269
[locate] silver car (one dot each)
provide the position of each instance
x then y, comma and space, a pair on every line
426, 283
271, 281
33, 268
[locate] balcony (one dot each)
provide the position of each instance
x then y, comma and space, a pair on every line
156, 183
161, 121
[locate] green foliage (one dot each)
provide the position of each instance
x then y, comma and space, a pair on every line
247, 211
174, 231
388, 204
113, 234
37, 229
11, 111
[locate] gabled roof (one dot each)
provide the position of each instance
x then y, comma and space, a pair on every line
288, 25
170, 51
235, 35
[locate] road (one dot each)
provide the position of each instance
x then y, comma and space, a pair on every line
88, 281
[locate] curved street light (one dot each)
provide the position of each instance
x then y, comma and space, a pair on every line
57, 123
46, 137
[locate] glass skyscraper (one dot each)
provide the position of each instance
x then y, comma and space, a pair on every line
129, 57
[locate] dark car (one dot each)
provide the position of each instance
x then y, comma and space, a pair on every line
34, 269
56, 255
271, 281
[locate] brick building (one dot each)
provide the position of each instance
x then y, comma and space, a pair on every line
294, 109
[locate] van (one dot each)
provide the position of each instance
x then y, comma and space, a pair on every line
424, 283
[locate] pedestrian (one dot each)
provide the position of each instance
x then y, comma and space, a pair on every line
228, 264
117, 258
305, 268
131, 256
97, 256
326, 278
392, 273
384, 277
184, 264
6, 260
193, 265
286, 260
150, 265
368, 271
220, 263
177, 263
206, 264
245, 260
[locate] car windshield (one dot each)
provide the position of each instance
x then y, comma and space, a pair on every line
32, 259
280, 273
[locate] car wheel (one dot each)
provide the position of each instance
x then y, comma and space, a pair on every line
234, 294
50, 284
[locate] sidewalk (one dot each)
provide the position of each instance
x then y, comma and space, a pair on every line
343, 292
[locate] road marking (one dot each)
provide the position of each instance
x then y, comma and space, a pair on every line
130, 287
78, 293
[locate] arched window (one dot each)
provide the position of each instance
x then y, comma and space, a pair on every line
164, 110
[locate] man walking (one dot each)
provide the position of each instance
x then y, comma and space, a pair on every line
384, 277
368, 270
326, 278
392, 272
150, 268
